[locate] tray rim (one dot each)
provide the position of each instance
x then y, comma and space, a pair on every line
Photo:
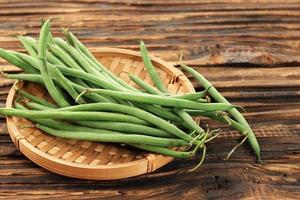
133, 168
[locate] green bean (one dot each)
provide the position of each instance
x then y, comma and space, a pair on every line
128, 127
70, 72
50, 37
159, 84
28, 47
77, 56
91, 96
152, 90
60, 114
36, 99
117, 137
192, 96
187, 118
115, 126
144, 85
132, 111
108, 78
164, 151
227, 120
12, 59
76, 73
139, 113
35, 63
66, 32
36, 106
189, 122
202, 112
159, 111
80, 47
66, 84
101, 127
234, 112
151, 70
54, 93
88, 77
162, 100
34, 44
153, 108
36, 78
68, 60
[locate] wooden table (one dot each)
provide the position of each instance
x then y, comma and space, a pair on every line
249, 50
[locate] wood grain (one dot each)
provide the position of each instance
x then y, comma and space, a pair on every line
248, 49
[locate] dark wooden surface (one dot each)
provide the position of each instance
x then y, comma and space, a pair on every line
249, 50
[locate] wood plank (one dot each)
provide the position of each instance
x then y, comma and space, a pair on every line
248, 49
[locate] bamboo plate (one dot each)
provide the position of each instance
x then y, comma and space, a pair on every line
94, 160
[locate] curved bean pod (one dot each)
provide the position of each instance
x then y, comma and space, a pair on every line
54, 93
150, 68
164, 151
14, 60
233, 111
162, 100
132, 111
58, 114
116, 137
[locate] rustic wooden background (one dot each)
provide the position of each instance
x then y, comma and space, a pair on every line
250, 50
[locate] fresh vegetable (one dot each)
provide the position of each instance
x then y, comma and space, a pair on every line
111, 110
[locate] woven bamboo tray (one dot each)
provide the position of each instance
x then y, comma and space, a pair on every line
94, 160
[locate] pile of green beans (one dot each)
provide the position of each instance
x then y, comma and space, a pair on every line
93, 104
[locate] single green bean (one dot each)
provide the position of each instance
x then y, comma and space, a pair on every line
150, 68
150, 89
28, 47
162, 100
116, 137
91, 96
159, 111
187, 118
164, 151
60, 114
54, 93
192, 96
128, 127
14, 60
233, 111
36, 78
227, 120
36, 99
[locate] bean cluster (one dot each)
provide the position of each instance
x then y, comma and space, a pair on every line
93, 104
